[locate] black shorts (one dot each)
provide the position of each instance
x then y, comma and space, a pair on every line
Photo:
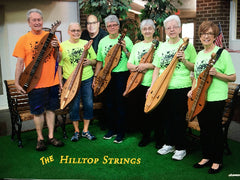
44, 99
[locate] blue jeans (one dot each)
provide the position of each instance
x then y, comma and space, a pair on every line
86, 94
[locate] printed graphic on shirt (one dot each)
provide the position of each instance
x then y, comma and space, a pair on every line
200, 66
75, 55
107, 49
34, 47
167, 58
140, 54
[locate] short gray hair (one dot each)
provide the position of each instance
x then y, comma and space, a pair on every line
74, 23
172, 18
111, 18
32, 11
147, 22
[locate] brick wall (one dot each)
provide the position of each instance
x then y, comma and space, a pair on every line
212, 10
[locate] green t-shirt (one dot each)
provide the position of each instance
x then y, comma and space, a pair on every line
106, 44
138, 51
71, 54
218, 89
181, 75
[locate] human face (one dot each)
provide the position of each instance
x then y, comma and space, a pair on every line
207, 38
74, 32
112, 27
172, 29
147, 31
93, 25
35, 22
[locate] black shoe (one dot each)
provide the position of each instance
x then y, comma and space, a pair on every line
215, 171
41, 146
144, 142
109, 135
118, 139
208, 163
55, 142
159, 145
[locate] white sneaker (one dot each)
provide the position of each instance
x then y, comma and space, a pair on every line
166, 149
179, 155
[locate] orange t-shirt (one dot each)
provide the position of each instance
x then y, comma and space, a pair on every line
26, 49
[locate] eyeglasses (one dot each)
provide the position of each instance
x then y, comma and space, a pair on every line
147, 29
207, 34
174, 27
112, 25
75, 30
91, 23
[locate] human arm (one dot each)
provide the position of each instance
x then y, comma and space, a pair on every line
88, 62
188, 64
189, 94
18, 72
60, 77
97, 69
154, 78
221, 76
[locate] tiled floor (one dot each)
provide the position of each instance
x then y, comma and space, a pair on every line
5, 126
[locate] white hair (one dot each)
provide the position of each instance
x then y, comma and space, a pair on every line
73, 23
147, 22
32, 11
172, 18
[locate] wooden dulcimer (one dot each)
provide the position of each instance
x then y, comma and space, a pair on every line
111, 61
160, 86
197, 102
32, 73
135, 77
73, 83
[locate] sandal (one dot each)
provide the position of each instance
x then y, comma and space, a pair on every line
41, 146
55, 142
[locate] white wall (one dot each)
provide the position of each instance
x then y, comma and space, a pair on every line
15, 25
233, 42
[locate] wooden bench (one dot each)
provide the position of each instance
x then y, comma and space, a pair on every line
233, 93
20, 111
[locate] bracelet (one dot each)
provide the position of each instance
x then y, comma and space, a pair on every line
126, 52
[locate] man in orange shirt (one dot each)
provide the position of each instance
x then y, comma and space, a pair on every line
44, 97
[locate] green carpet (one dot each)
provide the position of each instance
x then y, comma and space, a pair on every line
103, 159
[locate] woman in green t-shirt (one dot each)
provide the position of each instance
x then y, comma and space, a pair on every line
210, 118
137, 117
173, 107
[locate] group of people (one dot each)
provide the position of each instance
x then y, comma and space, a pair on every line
168, 120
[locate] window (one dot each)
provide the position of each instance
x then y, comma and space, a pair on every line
188, 31
238, 20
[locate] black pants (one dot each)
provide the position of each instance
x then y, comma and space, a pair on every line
173, 110
211, 133
138, 118
115, 103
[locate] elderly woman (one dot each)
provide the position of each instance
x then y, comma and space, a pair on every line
72, 51
173, 107
210, 118
114, 100
145, 122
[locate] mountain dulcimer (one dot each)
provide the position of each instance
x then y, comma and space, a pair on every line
197, 102
135, 77
160, 86
73, 83
111, 61
32, 73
